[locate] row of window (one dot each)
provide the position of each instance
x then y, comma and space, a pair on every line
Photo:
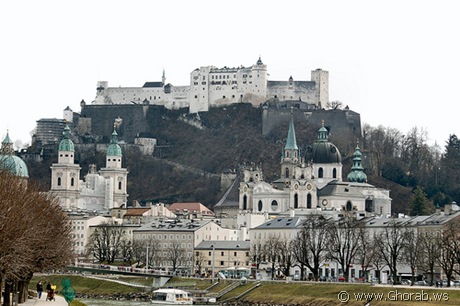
222, 253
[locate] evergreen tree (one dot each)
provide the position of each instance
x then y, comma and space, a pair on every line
419, 204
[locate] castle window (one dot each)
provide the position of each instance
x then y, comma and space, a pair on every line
119, 185
296, 201
245, 202
286, 172
259, 205
59, 181
196, 96
334, 173
320, 173
233, 96
223, 97
309, 200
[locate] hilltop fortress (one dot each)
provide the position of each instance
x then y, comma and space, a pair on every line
214, 87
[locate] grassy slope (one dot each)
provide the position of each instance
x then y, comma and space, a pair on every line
294, 293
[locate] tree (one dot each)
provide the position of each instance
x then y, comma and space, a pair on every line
390, 243
334, 105
419, 204
104, 242
343, 243
430, 247
26, 216
271, 251
412, 251
366, 252
311, 242
450, 248
175, 254
285, 256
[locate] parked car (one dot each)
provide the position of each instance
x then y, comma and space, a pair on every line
421, 283
406, 282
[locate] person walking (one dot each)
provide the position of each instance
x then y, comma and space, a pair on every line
39, 289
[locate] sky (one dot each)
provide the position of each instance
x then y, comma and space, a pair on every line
397, 63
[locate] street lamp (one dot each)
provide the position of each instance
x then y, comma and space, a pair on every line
213, 249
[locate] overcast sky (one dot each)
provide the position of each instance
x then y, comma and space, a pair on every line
397, 63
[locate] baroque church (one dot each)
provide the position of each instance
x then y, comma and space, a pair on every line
99, 191
312, 184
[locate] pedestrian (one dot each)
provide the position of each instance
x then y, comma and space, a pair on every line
39, 289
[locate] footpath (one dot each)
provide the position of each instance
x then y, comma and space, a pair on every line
60, 301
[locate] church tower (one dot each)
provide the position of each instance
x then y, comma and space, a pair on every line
116, 175
65, 175
357, 174
290, 156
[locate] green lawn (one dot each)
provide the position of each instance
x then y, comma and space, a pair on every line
294, 293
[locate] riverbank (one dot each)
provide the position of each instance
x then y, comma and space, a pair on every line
273, 293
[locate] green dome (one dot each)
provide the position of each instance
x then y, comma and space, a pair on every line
14, 165
66, 144
114, 149
323, 151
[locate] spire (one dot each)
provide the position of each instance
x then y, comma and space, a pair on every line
163, 77
357, 175
114, 149
66, 143
323, 133
291, 149
259, 61
7, 145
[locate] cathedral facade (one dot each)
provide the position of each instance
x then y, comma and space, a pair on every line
312, 184
211, 87
100, 191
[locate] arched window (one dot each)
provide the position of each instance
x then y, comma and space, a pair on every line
287, 154
245, 202
59, 181
320, 172
349, 206
274, 205
286, 172
119, 185
296, 201
72, 182
309, 200
334, 173
260, 206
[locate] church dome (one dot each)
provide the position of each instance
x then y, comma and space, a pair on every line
66, 143
10, 162
323, 151
14, 165
114, 148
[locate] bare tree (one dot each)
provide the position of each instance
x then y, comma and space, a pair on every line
366, 251
285, 256
448, 256
175, 255
343, 243
105, 240
390, 242
271, 251
29, 221
411, 250
311, 243
430, 247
